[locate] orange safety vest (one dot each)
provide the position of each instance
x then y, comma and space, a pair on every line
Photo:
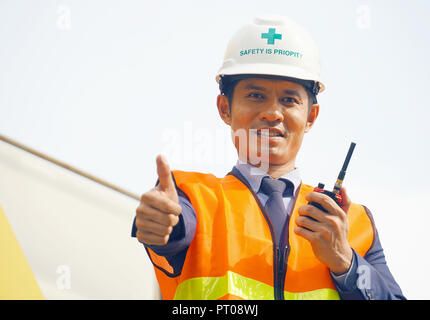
233, 254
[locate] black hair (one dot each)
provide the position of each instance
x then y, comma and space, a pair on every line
227, 84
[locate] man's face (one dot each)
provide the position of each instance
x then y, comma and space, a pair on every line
279, 106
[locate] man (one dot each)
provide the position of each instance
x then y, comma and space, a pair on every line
253, 233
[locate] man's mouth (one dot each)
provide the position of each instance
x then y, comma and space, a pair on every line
270, 132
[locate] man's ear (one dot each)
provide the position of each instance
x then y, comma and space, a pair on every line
313, 115
224, 108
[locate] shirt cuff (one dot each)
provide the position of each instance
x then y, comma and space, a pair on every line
347, 281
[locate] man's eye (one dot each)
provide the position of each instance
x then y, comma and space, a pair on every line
290, 100
255, 95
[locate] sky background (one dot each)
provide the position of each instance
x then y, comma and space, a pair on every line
105, 86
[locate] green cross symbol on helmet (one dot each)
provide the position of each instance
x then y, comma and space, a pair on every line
271, 36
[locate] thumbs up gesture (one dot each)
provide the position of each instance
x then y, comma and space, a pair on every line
159, 208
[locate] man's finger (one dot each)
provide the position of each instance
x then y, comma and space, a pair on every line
327, 203
324, 200
305, 233
161, 202
307, 223
312, 211
164, 175
155, 215
153, 227
151, 238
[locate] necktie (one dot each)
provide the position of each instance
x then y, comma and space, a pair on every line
274, 206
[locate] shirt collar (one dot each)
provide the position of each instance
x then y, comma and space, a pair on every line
255, 175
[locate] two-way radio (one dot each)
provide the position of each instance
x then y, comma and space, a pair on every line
335, 194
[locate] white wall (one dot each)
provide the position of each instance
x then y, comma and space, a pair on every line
74, 233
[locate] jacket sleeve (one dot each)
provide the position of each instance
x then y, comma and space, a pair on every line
369, 277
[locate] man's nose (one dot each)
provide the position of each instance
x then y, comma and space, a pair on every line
272, 113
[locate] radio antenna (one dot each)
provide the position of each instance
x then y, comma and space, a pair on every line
342, 172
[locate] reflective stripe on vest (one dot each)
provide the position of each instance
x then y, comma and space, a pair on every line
213, 288
233, 254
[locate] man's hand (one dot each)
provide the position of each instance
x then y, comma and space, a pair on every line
159, 208
327, 235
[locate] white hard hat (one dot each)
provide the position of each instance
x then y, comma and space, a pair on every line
273, 45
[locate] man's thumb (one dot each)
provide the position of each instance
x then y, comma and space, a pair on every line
346, 201
165, 179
